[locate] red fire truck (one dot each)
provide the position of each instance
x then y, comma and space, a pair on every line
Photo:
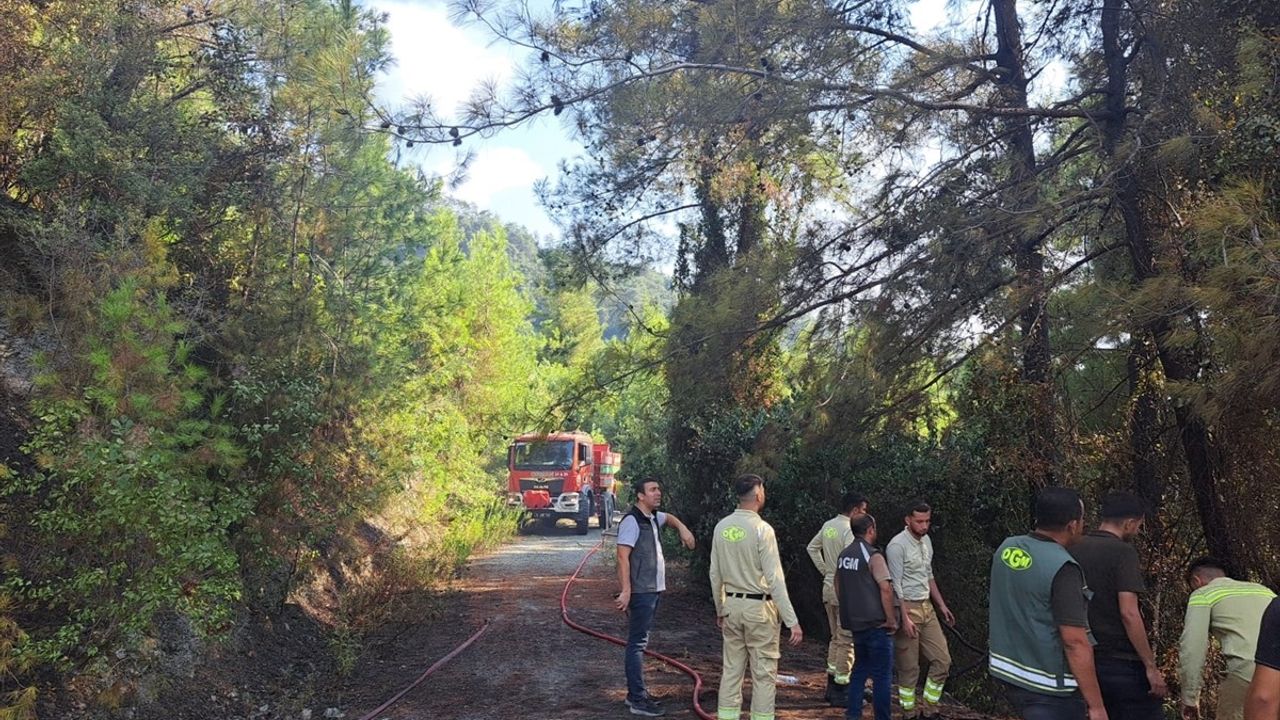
562, 475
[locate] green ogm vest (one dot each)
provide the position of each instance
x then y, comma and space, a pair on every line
1025, 646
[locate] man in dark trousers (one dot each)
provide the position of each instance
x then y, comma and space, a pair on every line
1039, 617
1132, 686
864, 594
642, 573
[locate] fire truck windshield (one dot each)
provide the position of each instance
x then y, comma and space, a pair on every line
549, 455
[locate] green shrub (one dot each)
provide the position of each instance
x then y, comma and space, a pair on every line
131, 498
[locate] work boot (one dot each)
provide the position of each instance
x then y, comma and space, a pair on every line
837, 694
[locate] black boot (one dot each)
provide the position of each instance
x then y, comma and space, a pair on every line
837, 694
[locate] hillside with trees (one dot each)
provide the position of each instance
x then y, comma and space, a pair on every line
250, 359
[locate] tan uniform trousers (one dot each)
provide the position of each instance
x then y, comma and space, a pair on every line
930, 643
750, 633
1232, 692
840, 649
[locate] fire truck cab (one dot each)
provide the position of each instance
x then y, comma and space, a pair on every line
562, 475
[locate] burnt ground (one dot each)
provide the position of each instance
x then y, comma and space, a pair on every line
528, 663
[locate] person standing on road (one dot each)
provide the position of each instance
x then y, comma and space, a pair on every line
1231, 611
910, 558
642, 573
1263, 702
750, 594
1040, 649
864, 592
825, 547
1131, 683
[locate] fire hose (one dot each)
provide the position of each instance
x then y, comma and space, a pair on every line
980, 652
435, 666
564, 615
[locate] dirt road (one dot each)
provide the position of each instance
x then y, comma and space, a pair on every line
530, 665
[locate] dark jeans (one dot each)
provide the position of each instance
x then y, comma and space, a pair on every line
872, 658
1125, 690
1035, 706
640, 613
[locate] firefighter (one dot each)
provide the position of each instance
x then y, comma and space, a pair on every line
824, 548
1231, 611
910, 558
750, 595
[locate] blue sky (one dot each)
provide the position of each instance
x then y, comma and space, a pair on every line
440, 59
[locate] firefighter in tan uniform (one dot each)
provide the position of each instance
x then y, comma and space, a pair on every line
750, 593
824, 549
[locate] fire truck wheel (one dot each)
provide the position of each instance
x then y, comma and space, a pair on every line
584, 516
530, 524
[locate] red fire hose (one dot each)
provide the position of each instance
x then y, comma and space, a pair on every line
564, 615
435, 666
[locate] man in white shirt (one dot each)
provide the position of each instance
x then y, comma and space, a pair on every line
642, 573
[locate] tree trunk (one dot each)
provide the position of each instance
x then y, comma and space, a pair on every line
1180, 363
1144, 429
1025, 243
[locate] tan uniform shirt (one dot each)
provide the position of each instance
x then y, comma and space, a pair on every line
1231, 611
825, 548
744, 559
910, 564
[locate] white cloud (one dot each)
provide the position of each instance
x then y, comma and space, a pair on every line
436, 58
928, 15
445, 62
495, 170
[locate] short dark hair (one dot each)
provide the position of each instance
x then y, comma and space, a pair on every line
918, 506
745, 484
851, 500
1205, 562
861, 524
1057, 506
638, 486
1122, 506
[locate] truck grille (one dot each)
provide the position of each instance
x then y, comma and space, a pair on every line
554, 486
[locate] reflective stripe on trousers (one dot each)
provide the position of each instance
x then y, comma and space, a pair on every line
907, 698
